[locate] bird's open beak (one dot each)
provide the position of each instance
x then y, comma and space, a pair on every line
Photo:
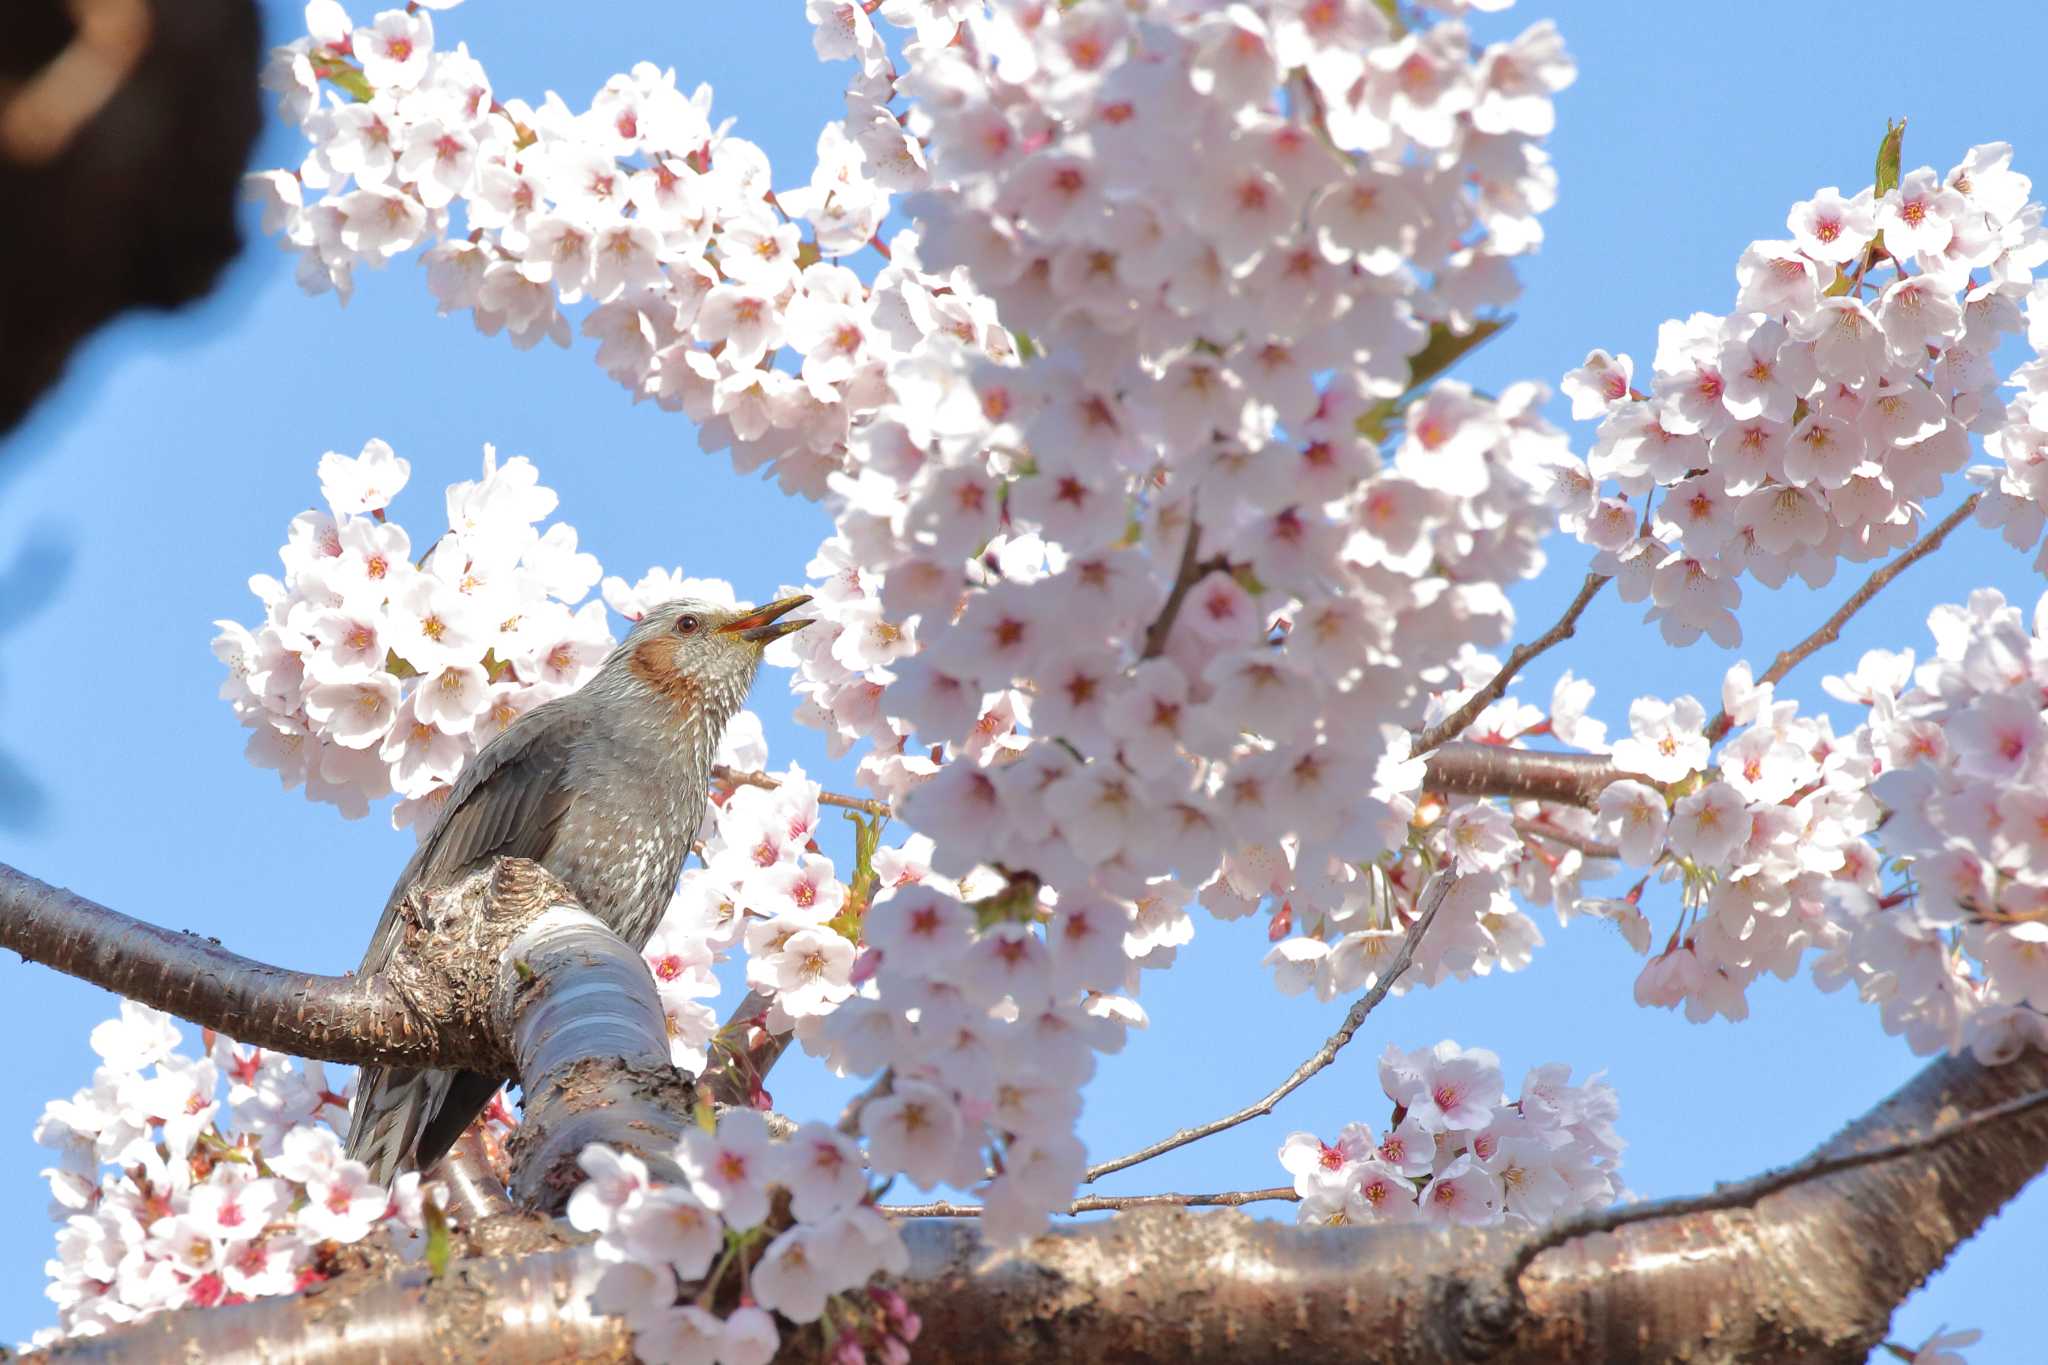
761, 625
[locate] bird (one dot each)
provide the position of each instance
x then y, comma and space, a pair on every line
605, 788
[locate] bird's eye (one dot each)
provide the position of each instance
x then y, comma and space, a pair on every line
686, 623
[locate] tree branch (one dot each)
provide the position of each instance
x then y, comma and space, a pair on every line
1743, 1194
1564, 838
1830, 630
329, 1018
1183, 580
1432, 900
500, 973
1463, 768
1107, 1203
1455, 724
745, 1052
738, 778
1810, 1270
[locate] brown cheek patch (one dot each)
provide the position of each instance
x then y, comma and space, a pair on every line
654, 663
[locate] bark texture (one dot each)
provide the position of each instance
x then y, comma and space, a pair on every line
1802, 1264
428, 1010
501, 973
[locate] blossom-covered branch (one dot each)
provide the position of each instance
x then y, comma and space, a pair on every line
1820, 1265
768, 782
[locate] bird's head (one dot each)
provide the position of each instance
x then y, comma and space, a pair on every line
701, 657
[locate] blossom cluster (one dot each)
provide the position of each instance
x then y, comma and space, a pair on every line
189, 1181
1456, 1151
1811, 424
654, 1239
1957, 953
378, 670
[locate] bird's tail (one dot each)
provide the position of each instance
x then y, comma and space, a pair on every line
393, 1106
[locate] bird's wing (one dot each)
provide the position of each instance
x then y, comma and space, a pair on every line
508, 802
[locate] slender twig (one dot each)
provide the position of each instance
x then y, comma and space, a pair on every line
1744, 1193
749, 1050
1831, 629
737, 778
1183, 581
1106, 1203
1431, 900
1453, 725
1564, 838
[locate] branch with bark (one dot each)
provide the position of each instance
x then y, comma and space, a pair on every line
1463, 768
1806, 1265
502, 973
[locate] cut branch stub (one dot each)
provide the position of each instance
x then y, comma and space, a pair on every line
589, 1042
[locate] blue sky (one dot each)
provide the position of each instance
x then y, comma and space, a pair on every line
136, 504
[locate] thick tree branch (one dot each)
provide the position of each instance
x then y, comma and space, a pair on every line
1810, 1270
1830, 630
501, 973
329, 1018
1462, 768
1453, 725
1432, 899
1109, 1203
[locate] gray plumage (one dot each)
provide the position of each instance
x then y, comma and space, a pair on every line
605, 788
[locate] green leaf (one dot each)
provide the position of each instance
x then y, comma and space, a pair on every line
1026, 347
1374, 422
438, 1244
1888, 156
860, 889
1016, 903
397, 667
344, 76
1446, 348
